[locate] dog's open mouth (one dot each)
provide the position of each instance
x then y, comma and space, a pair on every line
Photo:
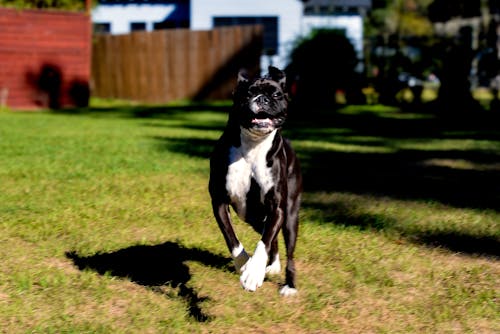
262, 122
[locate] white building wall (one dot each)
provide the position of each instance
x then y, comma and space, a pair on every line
289, 13
120, 16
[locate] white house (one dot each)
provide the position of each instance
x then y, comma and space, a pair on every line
121, 19
284, 21
123, 16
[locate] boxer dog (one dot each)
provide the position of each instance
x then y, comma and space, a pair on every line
254, 170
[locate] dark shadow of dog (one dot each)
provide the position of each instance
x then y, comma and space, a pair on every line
156, 267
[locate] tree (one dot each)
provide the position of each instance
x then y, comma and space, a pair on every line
400, 17
411, 24
320, 65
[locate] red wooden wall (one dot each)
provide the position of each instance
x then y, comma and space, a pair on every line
44, 58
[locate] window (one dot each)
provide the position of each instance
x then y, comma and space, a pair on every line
137, 26
102, 28
270, 24
171, 24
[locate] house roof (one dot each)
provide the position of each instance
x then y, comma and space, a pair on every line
339, 3
124, 2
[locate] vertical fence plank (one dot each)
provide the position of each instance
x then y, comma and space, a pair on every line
194, 69
141, 84
117, 74
169, 95
126, 70
154, 69
182, 64
203, 61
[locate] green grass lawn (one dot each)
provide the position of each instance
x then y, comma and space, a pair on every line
106, 225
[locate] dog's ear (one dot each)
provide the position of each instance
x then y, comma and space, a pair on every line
242, 76
277, 75
241, 87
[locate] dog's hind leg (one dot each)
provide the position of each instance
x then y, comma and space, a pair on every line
290, 230
223, 218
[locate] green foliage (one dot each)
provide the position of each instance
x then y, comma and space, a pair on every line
45, 4
323, 62
407, 18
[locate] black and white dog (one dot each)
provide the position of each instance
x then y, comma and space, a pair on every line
255, 170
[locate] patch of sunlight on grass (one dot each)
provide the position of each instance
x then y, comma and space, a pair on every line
360, 109
383, 112
340, 147
406, 115
461, 164
448, 144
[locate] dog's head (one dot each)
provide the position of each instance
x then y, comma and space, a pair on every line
260, 105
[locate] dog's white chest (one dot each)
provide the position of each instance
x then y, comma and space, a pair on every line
246, 162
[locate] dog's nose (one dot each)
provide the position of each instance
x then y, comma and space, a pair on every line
262, 99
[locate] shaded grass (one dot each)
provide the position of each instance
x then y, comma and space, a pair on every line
106, 225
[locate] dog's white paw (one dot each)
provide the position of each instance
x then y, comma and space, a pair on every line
254, 270
275, 267
240, 258
287, 291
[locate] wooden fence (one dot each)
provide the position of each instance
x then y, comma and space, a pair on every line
168, 65
44, 58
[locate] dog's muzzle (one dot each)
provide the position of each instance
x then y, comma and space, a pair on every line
262, 123
260, 103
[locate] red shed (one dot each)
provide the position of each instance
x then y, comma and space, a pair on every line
44, 58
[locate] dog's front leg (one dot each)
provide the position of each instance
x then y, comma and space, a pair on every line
254, 270
223, 218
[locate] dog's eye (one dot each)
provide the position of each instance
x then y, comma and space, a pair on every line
277, 95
